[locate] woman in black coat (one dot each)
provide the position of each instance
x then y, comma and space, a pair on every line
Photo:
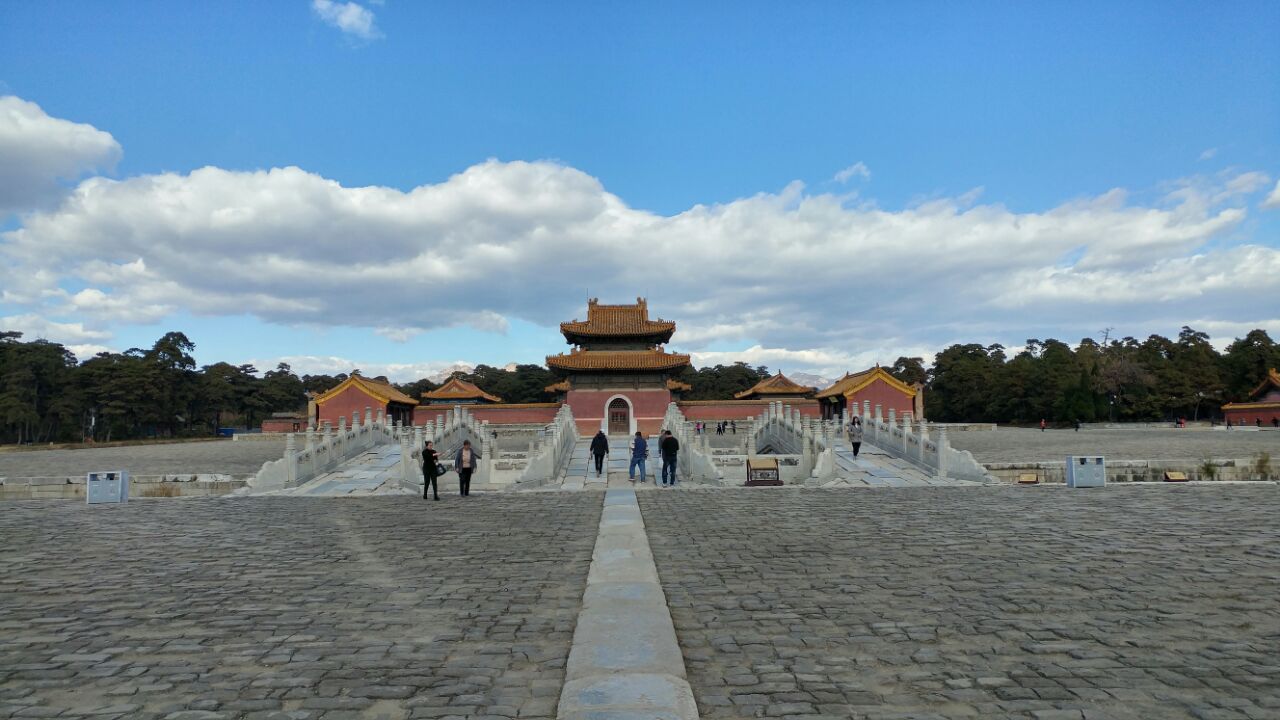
430, 470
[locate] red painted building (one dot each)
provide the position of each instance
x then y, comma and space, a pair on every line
355, 394
876, 386
1262, 407
617, 377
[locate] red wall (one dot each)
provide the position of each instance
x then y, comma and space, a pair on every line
343, 404
1250, 417
886, 395
496, 414
741, 409
588, 408
284, 425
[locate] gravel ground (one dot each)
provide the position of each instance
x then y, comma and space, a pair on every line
223, 456
1007, 445
299, 608
935, 603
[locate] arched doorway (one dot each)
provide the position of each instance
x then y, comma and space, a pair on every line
619, 417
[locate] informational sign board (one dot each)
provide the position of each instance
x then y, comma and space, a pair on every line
107, 487
763, 471
1086, 471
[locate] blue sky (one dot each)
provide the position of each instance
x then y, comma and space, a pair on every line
1152, 127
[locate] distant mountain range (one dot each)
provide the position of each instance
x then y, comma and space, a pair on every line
810, 379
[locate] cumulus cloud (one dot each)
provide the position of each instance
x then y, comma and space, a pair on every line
1272, 201
858, 169
38, 153
83, 342
351, 18
523, 240
334, 365
1208, 153
826, 362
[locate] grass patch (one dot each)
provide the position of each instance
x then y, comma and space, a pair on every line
164, 489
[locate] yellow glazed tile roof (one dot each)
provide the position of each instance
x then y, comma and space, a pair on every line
617, 320
380, 391
617, 360
854, 382
776, 385
458, 389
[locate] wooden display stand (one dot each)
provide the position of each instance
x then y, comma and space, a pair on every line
763, 471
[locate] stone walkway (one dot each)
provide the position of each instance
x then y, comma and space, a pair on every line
291, 607
1125, 602
1039, 602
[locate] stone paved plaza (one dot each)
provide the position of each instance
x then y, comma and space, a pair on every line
1124, 602
1012, 445
227, 457
1041, 602
318, 608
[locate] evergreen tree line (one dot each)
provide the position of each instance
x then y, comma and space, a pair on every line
46, 395
1123, 380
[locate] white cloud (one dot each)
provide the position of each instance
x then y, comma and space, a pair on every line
827, 362
351, 18
1272, 201
75, 336
1209, 153
521, 240
858, 169
334, 365
38, 153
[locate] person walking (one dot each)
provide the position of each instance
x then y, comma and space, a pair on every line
430, 470
599, 449
465, 462
669, 446
733, 425
855, 436
639, 453
1042, 424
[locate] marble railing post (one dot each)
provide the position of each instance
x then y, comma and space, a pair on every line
290, 460
310, 443
924, 442
806, 451
342, 436
866, 411
943, 446
381, 419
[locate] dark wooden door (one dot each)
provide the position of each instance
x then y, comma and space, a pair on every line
619, 417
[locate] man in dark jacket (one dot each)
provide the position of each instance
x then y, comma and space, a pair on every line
599, 449
639, 453
670, 448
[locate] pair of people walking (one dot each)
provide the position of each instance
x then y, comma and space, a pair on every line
465, 462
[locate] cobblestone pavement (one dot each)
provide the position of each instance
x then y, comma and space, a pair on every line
291, 607
1151, 602
223, 456
1026, 445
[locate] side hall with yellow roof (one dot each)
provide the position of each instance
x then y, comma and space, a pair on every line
875, 385
355, 394
1261, 409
